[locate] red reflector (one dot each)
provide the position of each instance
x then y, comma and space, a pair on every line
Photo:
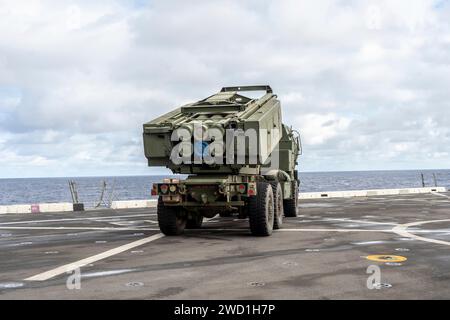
164, 188
251, 192
242, 188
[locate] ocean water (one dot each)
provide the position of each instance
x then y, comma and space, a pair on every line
45, 190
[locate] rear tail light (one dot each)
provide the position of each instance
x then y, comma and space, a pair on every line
242, 188
154, 190
251, 190
164, 188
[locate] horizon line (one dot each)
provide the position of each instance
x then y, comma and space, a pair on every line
172, 174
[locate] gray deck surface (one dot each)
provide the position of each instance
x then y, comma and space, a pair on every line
319, 255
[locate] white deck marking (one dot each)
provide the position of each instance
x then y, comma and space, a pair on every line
333, 230
74, 219
217, 229
440, 195
80, 228
151, 221
81, 263
402, 230
295, 230
361, 221
366, 243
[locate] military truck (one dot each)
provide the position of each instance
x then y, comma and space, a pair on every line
234, 156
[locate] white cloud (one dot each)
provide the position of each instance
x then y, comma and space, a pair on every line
317, 129
365, 82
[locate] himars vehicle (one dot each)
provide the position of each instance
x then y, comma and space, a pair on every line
238, 156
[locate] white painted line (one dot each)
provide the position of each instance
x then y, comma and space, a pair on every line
332, 230
79, 228
81, 263
361, 221
402, 230
218, 229
211, 219
440, 195
294, 230
430, 231
151, 221
365, 243
74, 219
106, 273
213, 229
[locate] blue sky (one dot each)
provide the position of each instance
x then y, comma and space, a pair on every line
366, 82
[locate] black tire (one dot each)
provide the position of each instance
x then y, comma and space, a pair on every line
170, 219
291, 205
261, 210
195, 223
278, 205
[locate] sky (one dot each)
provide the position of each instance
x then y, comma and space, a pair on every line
365, 82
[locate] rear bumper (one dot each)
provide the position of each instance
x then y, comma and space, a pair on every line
204, 193
245, 189
212, 204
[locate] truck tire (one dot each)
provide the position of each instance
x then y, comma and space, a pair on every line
261, 210
278, 205
195, 222
291, 205
170, 220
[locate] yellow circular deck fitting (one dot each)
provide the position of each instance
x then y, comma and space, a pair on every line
386, 258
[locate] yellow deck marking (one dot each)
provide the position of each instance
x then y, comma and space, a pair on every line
386, 258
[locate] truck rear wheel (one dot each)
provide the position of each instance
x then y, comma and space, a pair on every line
278, 205
195, 222
170, 219
261, 210
291, 205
